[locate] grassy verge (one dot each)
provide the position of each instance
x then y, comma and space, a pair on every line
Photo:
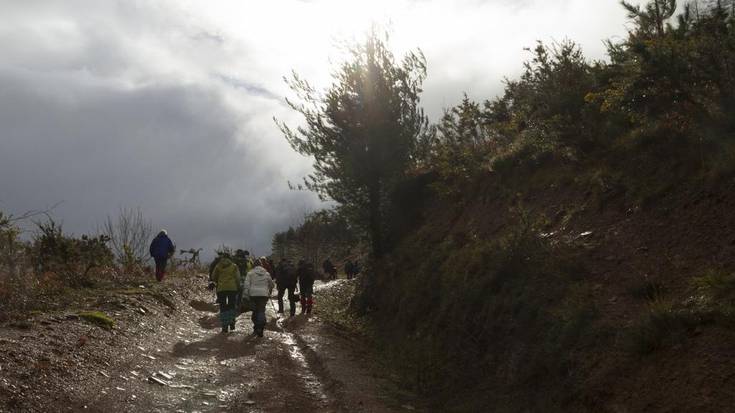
97, 317
663, 325
667, 322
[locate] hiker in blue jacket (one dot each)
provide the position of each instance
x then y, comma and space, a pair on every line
161, 249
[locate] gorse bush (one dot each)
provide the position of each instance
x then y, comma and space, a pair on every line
12, 265
458, 151
543, 111
669, 85
674, 75
68, 258
10, 247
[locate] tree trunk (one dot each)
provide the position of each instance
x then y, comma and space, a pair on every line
659, 20
376, 232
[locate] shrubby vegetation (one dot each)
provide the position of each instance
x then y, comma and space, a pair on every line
68, 258
50, 262
667, 90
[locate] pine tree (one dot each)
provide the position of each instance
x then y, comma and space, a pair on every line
652, 18
363, 132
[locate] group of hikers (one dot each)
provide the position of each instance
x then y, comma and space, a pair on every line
237, 294
244, 284
352, 268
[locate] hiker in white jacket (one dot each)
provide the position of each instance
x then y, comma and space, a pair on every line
258, 285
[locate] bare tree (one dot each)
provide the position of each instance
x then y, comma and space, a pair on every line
129, 235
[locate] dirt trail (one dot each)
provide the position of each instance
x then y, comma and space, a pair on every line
181, 362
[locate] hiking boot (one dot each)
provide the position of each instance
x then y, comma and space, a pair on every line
224, 330
232, 327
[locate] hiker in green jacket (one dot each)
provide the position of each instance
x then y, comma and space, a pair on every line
226, 278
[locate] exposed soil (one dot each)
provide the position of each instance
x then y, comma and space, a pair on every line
166, 353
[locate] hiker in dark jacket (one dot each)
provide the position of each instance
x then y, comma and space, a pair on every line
305, 272
330, 271
286, 280
349, 269
272, 266
161, 249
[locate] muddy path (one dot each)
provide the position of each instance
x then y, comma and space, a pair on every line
179, 361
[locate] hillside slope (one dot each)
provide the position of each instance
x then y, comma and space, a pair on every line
560, 289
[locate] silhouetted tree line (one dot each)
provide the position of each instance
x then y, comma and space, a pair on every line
323, 234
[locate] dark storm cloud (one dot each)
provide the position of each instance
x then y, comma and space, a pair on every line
102, 111
172, 150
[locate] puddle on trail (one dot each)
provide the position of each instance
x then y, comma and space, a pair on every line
309, 380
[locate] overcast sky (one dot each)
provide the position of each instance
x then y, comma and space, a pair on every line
168, 105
